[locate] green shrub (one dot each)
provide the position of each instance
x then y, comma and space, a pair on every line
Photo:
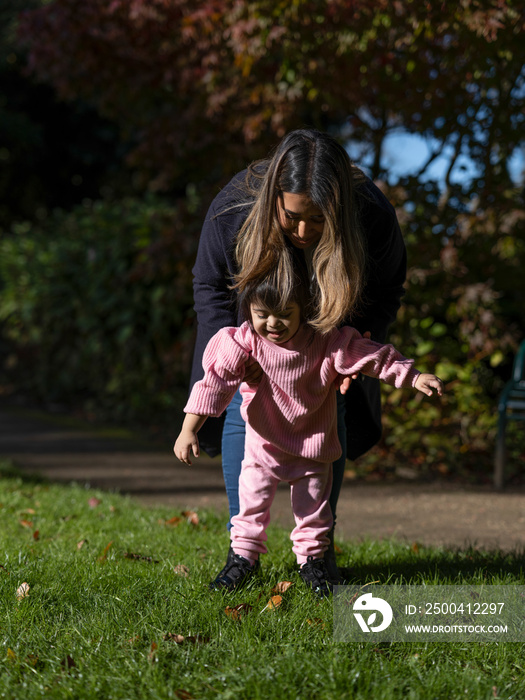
97, 303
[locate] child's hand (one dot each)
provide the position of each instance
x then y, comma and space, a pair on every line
427, 382
186, 443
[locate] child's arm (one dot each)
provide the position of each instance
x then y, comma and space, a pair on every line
427, 382
188, 441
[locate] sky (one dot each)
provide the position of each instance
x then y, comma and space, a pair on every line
404, 154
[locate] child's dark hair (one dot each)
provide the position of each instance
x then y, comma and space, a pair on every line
274, 293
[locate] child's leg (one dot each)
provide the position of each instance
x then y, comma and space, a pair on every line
257, 486
310, 495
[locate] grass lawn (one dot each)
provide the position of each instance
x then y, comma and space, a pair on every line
117, 606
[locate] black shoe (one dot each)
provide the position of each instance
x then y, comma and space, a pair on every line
334, 575
236, 572
314, 573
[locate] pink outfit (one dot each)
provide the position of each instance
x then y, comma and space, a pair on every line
291, 431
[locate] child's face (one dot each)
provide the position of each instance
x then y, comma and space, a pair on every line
277, 326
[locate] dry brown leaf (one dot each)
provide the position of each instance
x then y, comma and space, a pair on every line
282, 587
191, 516
68, 663
236, 612
180, 639
183, 694
316, 621
140, 557
36, 535
415, 547
104, 554
172, 521
26, 523
81, 544
152, 656
172, 637
197, 639
181, 570
22, 591
29, 511
94, 502
274, 602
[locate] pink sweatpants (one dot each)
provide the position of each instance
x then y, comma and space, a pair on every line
263, 467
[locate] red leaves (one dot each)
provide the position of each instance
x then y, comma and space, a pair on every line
236, 612
276, 600
190, 516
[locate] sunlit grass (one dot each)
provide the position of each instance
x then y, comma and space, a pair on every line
111, 613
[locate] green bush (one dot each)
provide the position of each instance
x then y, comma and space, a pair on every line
97, 304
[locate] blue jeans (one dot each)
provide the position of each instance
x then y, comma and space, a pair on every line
233, 453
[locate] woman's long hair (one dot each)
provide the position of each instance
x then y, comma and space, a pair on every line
310, 163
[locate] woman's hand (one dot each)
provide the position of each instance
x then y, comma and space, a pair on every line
343, 383
253, 373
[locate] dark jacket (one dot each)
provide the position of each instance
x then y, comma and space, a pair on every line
215, 303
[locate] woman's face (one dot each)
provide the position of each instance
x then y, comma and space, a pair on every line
301, 221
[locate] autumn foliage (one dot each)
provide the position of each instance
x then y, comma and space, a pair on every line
198, 89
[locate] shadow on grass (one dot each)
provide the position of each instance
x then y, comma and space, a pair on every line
433, 565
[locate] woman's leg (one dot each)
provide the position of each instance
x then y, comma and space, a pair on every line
233, 437
339, 465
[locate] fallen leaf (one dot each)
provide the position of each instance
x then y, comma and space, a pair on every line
11, 656
32, 660
29, 511
172, 637
415, 547
191, 516
22, 591
183, 694
316, 621
236, 612
36, 535
198, 639
81, 544
94, 502
68, 663
26, 523
140, 557
181, 570
180, 639
274, 602
282, 587
152, 656
104, 554
172, 521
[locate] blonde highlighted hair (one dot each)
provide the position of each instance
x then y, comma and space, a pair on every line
310, 163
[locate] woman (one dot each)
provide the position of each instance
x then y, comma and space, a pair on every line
307, 205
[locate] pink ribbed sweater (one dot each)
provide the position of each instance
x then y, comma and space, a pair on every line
294, 405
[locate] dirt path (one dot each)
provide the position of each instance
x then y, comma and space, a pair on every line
428, 514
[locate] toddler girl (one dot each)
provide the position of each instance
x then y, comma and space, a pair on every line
291, 423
